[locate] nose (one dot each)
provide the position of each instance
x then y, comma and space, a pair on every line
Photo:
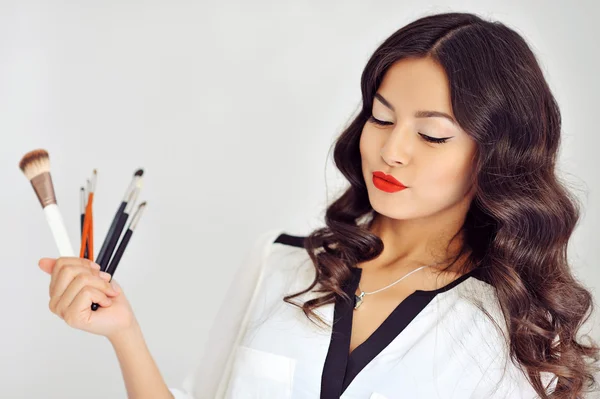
389, 159
396, 149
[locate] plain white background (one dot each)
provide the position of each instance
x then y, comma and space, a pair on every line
231, 109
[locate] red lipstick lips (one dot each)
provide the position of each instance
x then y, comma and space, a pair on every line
387, 183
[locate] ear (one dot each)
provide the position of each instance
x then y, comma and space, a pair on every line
47, 264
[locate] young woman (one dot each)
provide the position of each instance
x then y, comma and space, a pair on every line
442, 270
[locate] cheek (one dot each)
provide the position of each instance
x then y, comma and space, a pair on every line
448, 176
368, 146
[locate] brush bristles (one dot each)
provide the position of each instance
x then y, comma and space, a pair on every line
35, 163
94, 180
82, 201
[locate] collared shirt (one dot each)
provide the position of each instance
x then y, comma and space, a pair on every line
435, 344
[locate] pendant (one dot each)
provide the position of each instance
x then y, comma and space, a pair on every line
358, 299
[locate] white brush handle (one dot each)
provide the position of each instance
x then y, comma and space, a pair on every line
59, 231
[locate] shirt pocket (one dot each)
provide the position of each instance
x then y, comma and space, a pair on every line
260, 374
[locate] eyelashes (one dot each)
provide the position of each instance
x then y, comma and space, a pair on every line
424, 136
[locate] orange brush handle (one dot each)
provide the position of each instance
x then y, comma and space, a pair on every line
85, 237
91, 238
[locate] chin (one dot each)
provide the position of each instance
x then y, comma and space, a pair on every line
393, 210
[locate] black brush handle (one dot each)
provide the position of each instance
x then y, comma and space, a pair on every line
112, 267
82, 218
104, 252
112, 242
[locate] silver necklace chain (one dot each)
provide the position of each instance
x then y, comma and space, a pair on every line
358, 299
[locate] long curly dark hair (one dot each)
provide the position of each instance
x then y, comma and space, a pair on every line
522, 215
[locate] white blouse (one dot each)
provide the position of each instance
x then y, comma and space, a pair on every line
435, 344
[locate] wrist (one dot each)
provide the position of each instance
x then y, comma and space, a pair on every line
126, 336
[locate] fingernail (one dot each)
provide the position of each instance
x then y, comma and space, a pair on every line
105, 276
96, 266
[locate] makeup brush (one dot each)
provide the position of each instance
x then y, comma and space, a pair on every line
82, 207
35, 165
83, 203
88, 223
119, 220
87, 238
90, 241
114, 262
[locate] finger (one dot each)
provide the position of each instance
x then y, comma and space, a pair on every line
80, 282
116, 286
73, 279
47, 264
62, 263
82, 302
65, 276
95, 268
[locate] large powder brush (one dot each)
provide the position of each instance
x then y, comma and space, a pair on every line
36, 167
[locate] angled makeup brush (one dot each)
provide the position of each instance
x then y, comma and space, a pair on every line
118, 223
36, 167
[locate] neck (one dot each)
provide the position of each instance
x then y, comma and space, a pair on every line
416, 242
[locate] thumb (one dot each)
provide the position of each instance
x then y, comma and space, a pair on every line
47, 264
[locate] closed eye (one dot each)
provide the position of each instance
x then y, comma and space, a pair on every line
434, 139
424, 136
379, 122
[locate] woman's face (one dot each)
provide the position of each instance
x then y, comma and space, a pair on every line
437, 175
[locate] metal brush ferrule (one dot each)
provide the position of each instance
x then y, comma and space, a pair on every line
44, 189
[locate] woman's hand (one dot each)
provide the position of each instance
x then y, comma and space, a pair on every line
75, 284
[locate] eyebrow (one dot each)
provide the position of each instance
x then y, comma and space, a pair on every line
418, 114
